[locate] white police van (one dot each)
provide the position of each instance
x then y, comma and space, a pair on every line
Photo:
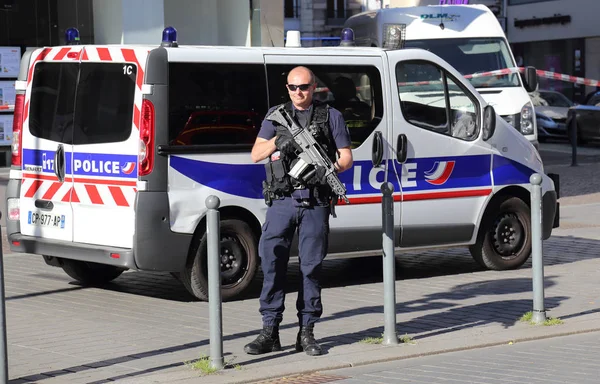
117, 148
468, 37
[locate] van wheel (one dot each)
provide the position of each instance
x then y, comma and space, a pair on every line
504, 240
239, 261
90, 273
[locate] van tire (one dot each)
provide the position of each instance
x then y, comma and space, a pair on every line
90, 273
238, 239
504, 239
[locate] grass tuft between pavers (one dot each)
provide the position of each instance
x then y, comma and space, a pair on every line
379, 340
527, 318
203, 364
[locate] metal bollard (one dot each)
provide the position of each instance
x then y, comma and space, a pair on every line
3, 344
389, 265
537, 262
213, 239
573, 128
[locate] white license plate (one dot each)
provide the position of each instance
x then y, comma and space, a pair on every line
45, 219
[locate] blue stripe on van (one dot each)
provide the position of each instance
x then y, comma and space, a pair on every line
507, 171
82, 164
426, 174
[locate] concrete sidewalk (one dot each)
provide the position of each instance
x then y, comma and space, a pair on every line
144, 326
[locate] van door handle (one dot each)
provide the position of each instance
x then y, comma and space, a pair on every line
59, 163
401, 148
377, 151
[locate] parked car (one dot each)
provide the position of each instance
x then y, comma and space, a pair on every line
549, 128
588, 123
551, 106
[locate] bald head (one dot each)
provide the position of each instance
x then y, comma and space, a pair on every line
301, 86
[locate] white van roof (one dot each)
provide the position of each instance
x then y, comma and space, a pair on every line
423, 22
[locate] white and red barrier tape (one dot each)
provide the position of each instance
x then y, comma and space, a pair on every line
507, 71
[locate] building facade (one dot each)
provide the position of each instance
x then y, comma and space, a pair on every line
36, 23
558, 36
320, 22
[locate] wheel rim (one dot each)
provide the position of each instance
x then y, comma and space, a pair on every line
234, 260
509, 236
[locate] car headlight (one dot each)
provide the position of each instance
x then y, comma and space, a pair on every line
527, 118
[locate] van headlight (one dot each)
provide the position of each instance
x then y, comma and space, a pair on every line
527, 118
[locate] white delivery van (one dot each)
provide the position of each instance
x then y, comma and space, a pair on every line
117, 148
468, 37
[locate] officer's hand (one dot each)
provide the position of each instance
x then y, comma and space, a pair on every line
287, 145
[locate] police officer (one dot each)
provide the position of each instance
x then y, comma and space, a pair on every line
296, 204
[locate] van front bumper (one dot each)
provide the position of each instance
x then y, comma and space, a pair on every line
118, 257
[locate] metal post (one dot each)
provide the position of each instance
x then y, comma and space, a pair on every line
389, 265
213, 240
537, 262
3, 345
573, 129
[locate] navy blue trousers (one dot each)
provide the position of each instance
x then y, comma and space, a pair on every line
312, 224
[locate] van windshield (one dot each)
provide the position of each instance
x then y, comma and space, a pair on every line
87, 103
472, 56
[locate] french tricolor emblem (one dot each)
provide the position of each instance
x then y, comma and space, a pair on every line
128, 168
440, 173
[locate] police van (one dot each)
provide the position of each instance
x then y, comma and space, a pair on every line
117, 148
468, 37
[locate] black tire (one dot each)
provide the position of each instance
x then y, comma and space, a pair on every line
90, 273
239, 251
504, 239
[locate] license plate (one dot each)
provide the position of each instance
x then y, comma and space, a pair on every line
46, 220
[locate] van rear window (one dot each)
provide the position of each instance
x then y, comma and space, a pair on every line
87, 103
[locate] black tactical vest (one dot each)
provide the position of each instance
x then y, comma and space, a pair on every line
278, 182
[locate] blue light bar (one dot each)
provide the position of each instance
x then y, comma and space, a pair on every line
72, 36
347, 38
169, 37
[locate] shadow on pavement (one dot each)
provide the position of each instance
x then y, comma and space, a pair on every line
350, 272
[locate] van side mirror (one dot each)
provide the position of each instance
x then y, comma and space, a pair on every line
489, 122
530, 79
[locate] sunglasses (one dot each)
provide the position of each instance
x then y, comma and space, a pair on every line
303, 87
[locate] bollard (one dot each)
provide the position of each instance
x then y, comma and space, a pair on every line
3, 344
537, 262
573, 129
389, 265
213, 239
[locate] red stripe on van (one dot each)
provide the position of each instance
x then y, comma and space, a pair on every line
62, 53
51, 191
136, 116
92, 192
74, 197
25, 112
33, 189
118, 196
41, 56
85, 55
104, 54
82, 180
129, 55
419, 196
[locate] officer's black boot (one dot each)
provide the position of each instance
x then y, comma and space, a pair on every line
267, 341
306, 341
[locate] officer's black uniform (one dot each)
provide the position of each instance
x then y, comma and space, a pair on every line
305, 209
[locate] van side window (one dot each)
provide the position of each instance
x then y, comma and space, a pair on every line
221, 104
432, 100
354, 90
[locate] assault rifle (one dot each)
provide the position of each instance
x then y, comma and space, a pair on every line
312, 153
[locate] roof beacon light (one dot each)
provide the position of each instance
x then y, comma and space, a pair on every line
292, 39
347, 38
169, 37
72, 36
